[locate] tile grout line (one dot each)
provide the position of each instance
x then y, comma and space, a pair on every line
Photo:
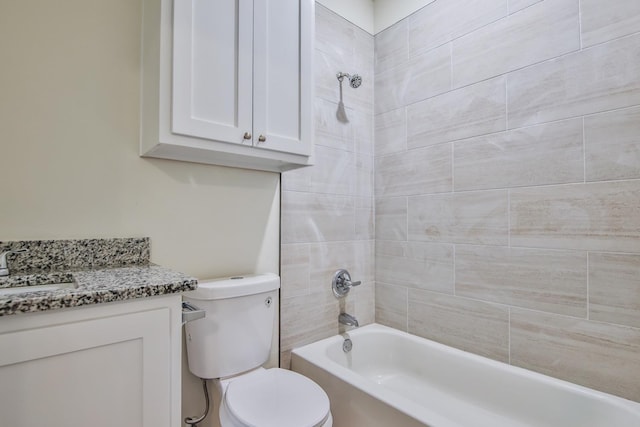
450, 66
584, 152
588, 290
509, 334
453, 167
454, 270
580, 23
406, 225
406, 129
509, 218
506, 102
406, 323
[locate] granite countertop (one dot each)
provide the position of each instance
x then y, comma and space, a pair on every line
98, 270
93, 287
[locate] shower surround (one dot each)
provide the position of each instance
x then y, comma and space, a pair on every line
507, 186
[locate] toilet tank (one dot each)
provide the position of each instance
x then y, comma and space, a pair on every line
235, 335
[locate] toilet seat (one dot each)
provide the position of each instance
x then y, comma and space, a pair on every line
275, 398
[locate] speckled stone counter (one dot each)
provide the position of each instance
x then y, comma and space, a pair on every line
94, 283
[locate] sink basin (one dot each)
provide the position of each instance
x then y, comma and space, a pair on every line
28, 289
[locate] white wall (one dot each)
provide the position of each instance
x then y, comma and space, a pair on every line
374, 16
388, 12
358, 12
69, 125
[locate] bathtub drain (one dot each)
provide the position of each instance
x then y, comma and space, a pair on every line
347, 345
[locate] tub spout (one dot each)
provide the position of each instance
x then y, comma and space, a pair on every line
347, 319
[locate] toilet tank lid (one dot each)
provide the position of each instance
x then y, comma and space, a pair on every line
235, 286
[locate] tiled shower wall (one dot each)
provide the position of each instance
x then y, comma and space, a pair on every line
507, 183
327, 209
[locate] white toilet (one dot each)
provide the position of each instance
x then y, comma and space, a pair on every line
231, 343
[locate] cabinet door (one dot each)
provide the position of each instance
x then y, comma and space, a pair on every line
113, 371
283, 84
212, 69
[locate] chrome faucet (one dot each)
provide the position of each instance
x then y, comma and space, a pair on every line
4, 269
342, 283
347, 319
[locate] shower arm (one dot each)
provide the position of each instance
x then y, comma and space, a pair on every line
340, 76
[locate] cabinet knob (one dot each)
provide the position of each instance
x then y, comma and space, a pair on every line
262, 138
247, 135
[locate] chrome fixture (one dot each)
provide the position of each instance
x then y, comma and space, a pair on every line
4, 270
341, 283
347, 319
347, 345
194, 421
191, 312
354, 79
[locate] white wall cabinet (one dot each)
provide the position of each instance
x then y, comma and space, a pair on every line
228, 82
107, 365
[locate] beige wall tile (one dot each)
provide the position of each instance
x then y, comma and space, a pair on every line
474, 326
596, 355
474, 110
429, 74
334, 34
327, 258
362, 174
545, 30
442, 21
614, 288
476, 217
600, 78
553, 281
307, 318
612, 144
421, 171
598, 217
365, 218
551, 153
415, 264
334, 172
294, 270
310, 217
413, 80
296, 180
517, 5
391, 218
392, 46
363, 132
391, 306
325, 66
285, 359
391, 132
364, 302
329, 131
362, 63
602, 23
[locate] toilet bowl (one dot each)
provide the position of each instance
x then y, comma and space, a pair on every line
273, 398
230, 344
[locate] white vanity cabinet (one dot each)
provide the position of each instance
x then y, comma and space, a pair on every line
104, 365
228, 82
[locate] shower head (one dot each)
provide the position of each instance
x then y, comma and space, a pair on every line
354, 80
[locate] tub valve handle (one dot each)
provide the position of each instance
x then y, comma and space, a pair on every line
341, 283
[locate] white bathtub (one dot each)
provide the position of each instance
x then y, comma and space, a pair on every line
393, 379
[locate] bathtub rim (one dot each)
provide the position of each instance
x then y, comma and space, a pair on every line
315, 352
